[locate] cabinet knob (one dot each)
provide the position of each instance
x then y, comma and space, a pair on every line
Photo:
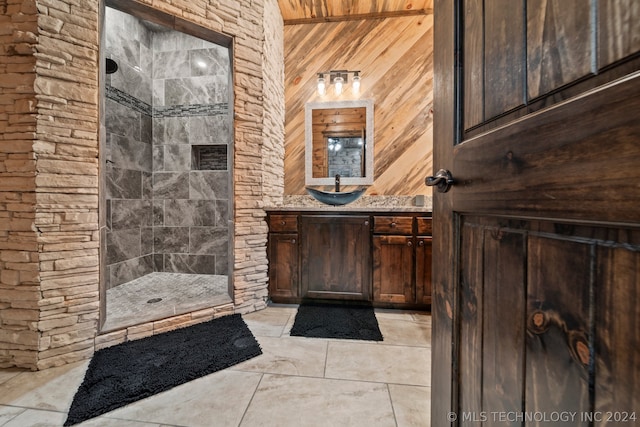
293, 240
283, 222
393, 224
366, 222
420, 243
409, 243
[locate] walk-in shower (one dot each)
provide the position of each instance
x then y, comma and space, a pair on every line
166, 171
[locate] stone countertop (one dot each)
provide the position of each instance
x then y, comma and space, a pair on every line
331, 208
303, 203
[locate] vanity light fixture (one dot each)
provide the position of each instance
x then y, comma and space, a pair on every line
338, 78
321, 85
356, 82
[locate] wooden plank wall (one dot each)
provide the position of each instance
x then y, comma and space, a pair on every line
304, 11
395, 59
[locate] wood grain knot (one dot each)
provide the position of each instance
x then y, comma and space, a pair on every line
538, 322
580, 347
538, 319
297, 80
583, 352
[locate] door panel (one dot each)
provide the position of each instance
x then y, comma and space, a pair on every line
559, 44
618, 339
471, 310
393, 269
618, 30
521, 56
504, 49
336, 257
424, 256
474, 58
533, 324
536, 246
504, 260
283, 269
558, 325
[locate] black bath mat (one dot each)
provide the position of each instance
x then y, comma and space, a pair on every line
131, 371
336, 321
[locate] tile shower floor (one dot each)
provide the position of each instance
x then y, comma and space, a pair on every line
159, 295
301, 382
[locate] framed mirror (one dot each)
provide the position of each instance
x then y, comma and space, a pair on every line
339, 141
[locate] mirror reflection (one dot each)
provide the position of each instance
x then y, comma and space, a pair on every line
345, 156
338, 142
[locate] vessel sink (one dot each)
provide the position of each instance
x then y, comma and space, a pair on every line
335, 198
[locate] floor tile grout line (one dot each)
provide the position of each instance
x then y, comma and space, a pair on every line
393, 409
326, 359
253, 395
326, 378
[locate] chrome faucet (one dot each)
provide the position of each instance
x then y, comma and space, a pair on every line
337, 183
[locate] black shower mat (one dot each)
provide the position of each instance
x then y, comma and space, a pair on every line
356, 322
131, 371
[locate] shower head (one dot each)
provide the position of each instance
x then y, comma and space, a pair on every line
112, 66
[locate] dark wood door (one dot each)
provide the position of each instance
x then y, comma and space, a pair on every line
536, 248
393, 269
336, 257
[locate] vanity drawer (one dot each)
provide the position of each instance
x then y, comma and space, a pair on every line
424, 226
283, 223
392, 224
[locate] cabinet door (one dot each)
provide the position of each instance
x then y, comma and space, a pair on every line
336, 257
393, 269
283, 265
423, 270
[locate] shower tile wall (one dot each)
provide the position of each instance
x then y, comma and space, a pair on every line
170, 93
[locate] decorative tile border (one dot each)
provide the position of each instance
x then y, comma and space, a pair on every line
191, 110
134, 103
128, 100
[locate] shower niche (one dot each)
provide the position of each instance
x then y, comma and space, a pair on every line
166, 171
209, 157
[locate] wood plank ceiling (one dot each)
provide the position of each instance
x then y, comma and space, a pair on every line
314, 11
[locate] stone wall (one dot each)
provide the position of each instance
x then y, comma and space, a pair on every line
19, 259
273, 75
49, 239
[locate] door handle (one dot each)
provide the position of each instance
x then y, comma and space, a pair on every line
442, 180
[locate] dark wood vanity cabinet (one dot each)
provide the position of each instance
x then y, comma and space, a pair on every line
283, 254
423, 260
402, 260
352, 256
393, 260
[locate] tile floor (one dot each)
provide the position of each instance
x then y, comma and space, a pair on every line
136, 302
297, 382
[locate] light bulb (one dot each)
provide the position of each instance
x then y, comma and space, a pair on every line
321, 85
338, 84
356, 82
